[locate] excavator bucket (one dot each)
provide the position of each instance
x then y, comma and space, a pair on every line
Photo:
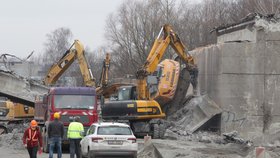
181, 91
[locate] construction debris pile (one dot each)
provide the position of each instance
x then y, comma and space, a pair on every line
149, 151
194, 114
12, 140
193, 124
200, 145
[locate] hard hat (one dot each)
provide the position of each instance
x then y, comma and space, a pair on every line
56, 115
33, 123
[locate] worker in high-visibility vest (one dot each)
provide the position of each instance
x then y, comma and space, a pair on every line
32, 139
75, 134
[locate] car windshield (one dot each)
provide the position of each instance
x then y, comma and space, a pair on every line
114, 130
74, 101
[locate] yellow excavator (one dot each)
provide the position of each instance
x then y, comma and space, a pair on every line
159, 88
76, 52
66, 60
104, 88
13, 115
104, 78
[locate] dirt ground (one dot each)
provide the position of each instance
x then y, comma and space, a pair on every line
22, 153
11, 147
200, 147
193, 149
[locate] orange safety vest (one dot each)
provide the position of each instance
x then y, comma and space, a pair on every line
30, 137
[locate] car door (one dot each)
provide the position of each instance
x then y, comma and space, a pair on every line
86, 140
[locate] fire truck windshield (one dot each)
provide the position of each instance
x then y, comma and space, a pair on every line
74, 101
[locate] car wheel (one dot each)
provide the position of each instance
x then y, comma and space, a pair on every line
156, 133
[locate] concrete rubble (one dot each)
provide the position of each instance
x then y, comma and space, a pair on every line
241, 77
12, 140
180, 141
194, 113
149, 151
19, 88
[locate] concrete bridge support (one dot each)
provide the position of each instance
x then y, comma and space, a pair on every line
243, 78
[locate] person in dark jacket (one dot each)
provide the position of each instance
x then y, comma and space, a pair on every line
32, 138
55, 135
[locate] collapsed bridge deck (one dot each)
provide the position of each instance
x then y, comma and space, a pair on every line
19, 89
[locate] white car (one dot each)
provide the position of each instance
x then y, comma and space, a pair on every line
109, 139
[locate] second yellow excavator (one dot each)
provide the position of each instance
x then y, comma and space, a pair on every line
160, 88
66, 60
76, 52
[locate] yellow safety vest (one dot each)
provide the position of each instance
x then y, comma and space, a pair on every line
75, 130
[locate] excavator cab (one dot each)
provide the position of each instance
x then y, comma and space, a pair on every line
127, 93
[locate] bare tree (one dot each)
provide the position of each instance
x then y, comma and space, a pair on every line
258, 6
133, 29
58, 41
95, 60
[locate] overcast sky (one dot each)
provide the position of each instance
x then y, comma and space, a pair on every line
25, 23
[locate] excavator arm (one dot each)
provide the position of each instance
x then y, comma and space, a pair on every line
165, 38
89, 80
66, 60
104, 88
104, 78
103, 82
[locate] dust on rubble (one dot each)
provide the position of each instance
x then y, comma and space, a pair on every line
195, 113
13, 139
182, 141
183, 138
149, 151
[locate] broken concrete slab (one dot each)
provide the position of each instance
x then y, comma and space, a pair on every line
149, 151
190, 149
20, 89
204, 111
193, 115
